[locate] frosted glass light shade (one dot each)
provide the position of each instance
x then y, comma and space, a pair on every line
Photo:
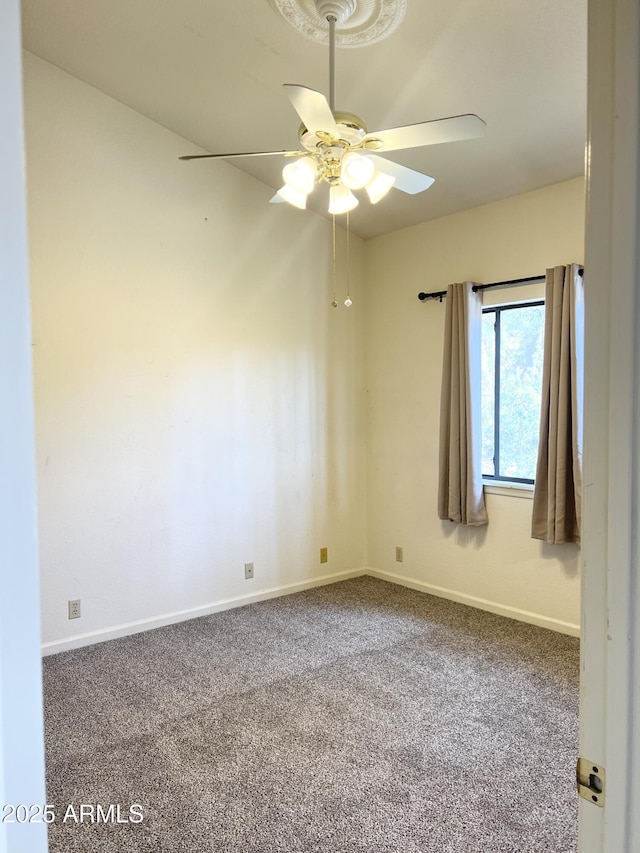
341, 199
356, 170
297, 199
300, 175
379, 186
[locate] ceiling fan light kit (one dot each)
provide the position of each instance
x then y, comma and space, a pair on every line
294, 197
356, 170
379, 186
341, 199
335, 147
301, 174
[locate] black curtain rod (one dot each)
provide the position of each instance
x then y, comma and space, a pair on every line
440, 294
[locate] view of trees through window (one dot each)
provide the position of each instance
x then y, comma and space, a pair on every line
512, 354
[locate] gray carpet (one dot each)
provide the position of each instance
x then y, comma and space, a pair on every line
361, 716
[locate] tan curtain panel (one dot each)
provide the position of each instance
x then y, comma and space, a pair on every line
557, 497
460, 495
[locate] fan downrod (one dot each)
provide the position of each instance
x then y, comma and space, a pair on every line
334, 12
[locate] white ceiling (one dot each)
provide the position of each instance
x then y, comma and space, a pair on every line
212, 71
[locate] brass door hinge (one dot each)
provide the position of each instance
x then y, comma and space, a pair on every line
590, 779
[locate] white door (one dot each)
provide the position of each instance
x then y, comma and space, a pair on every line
611, 599
21, 740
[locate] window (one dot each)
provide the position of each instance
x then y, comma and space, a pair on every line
512, 357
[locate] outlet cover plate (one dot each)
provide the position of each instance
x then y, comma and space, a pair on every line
74, 608
248, 571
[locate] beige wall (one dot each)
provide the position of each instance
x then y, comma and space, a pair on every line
501, 567
199, 404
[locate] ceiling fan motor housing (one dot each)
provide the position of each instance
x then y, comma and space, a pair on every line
352, 132
339, 10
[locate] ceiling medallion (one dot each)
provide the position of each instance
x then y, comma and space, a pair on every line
362, 22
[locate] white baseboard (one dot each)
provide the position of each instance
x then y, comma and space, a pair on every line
79, 640
480, 603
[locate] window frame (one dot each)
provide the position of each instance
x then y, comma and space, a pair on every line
497, 479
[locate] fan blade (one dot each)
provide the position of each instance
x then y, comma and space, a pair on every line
313, 109
407, 180
426, 133
242, 154
276, 199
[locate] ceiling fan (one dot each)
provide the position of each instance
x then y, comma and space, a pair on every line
337, 148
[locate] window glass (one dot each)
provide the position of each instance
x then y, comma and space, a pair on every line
488, 391
512, 357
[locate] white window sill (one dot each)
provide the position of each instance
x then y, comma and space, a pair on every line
507, 487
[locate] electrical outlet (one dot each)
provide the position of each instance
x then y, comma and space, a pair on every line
74, 608
324, 555
248, 571
399, 554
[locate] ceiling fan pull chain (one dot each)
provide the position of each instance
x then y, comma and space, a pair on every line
334, 303
348, 301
